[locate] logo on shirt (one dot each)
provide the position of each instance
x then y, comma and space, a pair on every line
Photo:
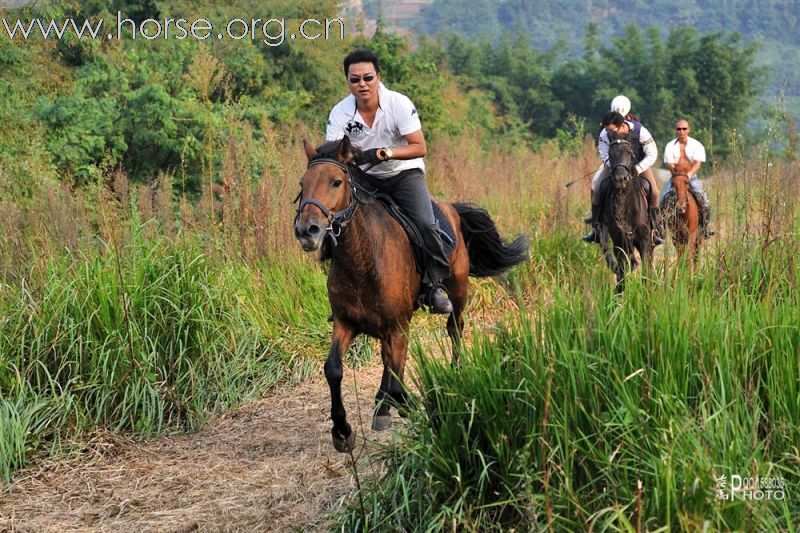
354, 128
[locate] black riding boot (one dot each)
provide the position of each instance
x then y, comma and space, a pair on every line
657, 223
594, 235
436, 268
438, 302
705, 215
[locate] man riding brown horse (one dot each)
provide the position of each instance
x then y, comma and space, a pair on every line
376, 275
385, 126
685, 155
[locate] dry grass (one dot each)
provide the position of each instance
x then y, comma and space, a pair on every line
266, 466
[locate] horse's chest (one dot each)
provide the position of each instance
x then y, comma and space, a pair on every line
371, 306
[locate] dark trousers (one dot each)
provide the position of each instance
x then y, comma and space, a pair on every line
409, 191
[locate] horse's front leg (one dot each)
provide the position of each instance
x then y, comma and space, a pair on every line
644, 244
344, 437
394, 349
693, 243
623, 260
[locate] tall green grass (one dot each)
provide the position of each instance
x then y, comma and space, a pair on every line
154, 336
595, 411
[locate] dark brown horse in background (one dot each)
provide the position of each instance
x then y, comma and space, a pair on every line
373, 284
683, 218
624, 214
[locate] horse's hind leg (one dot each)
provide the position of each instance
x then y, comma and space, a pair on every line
457, 287
455, 326
394, 349
343, 436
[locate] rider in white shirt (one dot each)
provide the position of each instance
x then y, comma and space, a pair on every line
684, 155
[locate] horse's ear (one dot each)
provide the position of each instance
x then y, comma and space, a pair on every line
344, 150
310, 152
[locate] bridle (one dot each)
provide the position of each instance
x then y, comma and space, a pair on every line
628, 169
336, 220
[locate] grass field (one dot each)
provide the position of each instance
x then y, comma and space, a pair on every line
589, 410
129, 309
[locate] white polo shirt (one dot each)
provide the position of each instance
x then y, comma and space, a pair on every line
395, 118
694, 151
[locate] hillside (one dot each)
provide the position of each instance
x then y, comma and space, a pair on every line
547, 23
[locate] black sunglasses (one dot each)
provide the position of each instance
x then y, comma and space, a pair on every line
368, 78
681, 129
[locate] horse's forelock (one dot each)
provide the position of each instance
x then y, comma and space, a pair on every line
615, 146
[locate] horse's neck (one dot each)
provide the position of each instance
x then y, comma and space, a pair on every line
627, 202
681, 191
354, 250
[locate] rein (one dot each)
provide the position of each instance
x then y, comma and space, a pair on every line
338, 220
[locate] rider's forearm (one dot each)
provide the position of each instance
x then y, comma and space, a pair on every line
411, 151
650, 156
695, 168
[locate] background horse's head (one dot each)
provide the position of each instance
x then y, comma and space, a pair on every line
620, 157
326, 200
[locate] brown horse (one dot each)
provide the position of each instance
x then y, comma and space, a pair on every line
683, 218
373, 284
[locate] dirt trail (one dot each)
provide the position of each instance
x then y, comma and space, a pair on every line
267, 466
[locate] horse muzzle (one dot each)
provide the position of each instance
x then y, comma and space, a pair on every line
621, 180
309, 234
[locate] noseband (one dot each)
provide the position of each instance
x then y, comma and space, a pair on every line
338, 220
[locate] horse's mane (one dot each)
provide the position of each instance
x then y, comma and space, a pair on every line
329, 150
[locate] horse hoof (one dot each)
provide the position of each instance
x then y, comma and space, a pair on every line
344, 445
379, 423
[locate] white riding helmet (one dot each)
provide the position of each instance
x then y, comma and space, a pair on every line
621, 105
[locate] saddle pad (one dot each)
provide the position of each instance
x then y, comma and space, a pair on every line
446, 231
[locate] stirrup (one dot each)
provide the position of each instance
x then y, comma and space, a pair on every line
438, 301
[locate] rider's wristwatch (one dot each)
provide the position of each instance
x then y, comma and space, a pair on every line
387, 154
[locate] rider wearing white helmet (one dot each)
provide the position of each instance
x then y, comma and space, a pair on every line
622, 105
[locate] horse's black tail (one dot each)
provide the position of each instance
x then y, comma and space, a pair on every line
488, 254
